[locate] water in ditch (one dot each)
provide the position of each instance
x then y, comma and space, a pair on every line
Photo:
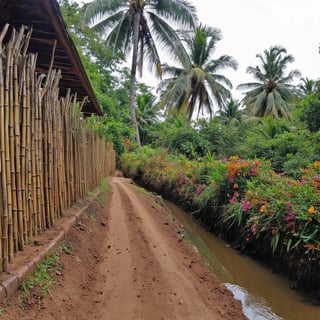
263, 294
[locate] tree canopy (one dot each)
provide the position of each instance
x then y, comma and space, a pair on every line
272, 93
197, 84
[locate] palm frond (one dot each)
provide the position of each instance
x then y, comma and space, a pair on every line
181, 12
120, 36
249, 86
148, 48
225, 61
100, 10
169, 40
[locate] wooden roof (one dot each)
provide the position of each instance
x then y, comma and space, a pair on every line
45, 18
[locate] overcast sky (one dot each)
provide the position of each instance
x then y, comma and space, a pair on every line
251, 26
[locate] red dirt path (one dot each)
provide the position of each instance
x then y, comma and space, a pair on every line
129, 263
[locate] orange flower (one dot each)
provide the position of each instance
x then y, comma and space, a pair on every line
263, 207
317, 163
309, 219
310, 247
235, 186
312, 210
318, 246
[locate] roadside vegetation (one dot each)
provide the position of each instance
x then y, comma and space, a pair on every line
37, 286
270, 216
248, 170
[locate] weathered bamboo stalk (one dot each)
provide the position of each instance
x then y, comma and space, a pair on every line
4, 207
7, 217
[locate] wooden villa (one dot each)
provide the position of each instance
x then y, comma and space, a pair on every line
49, 157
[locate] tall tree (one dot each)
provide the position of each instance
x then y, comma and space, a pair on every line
306, 87
197, 85
272, 94
134, 25
148, 112
230, 113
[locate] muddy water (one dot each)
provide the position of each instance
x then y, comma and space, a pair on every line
264, 295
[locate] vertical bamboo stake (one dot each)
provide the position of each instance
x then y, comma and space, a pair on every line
7, 217
39, 141
21, 159
25, 94
55, 126
4, 208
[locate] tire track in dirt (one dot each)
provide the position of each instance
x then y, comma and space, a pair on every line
135, 281
161, 278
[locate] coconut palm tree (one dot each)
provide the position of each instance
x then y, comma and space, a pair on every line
306, 87
230, 113
197, 85
134, 25
148, 112
272, 94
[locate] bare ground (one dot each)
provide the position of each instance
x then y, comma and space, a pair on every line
128, 262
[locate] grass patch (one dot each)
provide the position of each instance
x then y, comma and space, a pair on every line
105, 186
43, 278
91, 216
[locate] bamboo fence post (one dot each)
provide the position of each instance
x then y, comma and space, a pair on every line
7, 217
56, 144
39, 140
3, 136
61, 161
15, 159
46, 169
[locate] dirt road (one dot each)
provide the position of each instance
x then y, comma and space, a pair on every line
129, 262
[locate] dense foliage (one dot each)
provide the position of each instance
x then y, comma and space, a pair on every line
273, 217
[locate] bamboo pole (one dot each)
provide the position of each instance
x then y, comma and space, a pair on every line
40, 149
7, 217
3, 136
25, 95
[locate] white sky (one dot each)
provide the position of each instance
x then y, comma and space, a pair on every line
251, 26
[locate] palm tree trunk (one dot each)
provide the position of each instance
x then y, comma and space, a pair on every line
133, 74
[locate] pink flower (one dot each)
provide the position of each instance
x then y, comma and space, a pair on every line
288, 206
288, 217
236, 194
246, 206
231, 179
199, 189
253, 229
231, 201
302, 182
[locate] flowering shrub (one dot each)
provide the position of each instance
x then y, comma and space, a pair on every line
276, 207
262, 204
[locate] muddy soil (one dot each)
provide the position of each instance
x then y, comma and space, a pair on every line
129, 261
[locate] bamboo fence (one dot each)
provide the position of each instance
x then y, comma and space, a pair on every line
49, 158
